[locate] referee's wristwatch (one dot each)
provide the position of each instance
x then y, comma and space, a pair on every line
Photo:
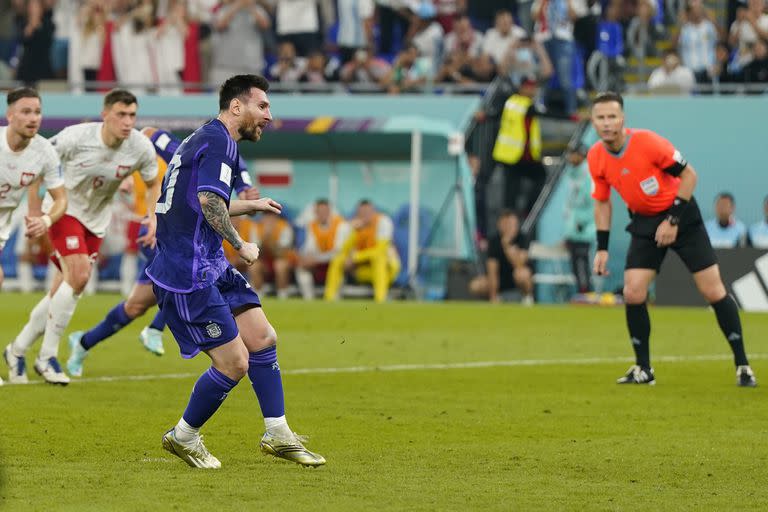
673, 220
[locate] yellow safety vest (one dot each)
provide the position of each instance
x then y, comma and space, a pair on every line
511, 139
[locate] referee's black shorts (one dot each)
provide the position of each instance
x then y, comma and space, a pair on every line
692, 243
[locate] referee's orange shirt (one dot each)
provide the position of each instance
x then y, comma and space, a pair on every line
644, 173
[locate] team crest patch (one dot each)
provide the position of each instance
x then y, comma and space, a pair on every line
72, 243
213, 330
650, 186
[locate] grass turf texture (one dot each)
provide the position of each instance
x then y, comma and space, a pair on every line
530, 436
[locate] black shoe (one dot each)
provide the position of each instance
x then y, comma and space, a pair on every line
745, 378
638, 375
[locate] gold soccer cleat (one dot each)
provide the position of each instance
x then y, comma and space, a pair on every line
291, 450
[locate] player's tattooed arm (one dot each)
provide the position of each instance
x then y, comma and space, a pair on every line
217, 214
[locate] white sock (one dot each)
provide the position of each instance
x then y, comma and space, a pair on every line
60, 312
26, 277
33, 329
128, 271
184, 432
93, 280
278, 426
306, 283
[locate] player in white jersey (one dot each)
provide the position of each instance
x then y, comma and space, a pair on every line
27, 158
96, 158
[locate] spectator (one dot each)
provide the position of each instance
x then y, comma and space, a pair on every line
367, 254
277, 258
758, 232
751, 24
483, 13
723, 71
170, 33
607, 63
757, 69
9, 9
87, 43
725, 230
365, 68
447, 11
671, 76
289, 67
394, 18
696, 42
64, 14
318, 70
464, 38
554, 28
507, 266
238, 39
504, 33
131, 43
427, 34
518, 149
526, 57
326, 235
579, 216
585, 30
355, 27
36, 28
409, 73
456, 68
642, 33
298, 22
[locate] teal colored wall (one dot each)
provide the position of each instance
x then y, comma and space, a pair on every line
724, 138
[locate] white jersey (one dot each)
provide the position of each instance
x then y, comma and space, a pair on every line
18, 169
93, 172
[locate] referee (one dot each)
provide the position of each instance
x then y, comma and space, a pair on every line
657, 185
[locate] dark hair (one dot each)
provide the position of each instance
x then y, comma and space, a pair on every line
725, 195
506, 212
119, 96
670, 51
15, 95
607, 97
365, 202
239, 86
322, 201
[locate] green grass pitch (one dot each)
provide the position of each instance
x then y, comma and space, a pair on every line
386, 396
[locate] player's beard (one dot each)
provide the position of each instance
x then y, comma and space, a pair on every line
248, 130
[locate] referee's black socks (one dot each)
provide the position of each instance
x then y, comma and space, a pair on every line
728, 317
639, 325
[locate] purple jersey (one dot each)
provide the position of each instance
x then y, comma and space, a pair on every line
167, 143
189, 253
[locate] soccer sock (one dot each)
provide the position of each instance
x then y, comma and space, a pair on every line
727, 313
639, 325
264, 373
185, 432
208, 394
115, 320
60, 312
158, 323
33, 329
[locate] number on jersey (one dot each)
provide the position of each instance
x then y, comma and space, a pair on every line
173, 172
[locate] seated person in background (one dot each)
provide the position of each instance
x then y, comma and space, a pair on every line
326, 234
367, 254
507, 265
758, 232
579, 216
409, 72
365, 68
274, 236
725, 230
671, 76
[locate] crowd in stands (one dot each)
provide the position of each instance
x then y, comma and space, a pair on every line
726, 231
166, 46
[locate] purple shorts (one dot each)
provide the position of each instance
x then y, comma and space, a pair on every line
202, 320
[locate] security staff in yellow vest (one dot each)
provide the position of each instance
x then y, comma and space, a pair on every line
367, 254
326, 234
277, 258
518, 149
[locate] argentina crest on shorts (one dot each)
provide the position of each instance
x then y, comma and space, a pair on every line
650, 186
213, 330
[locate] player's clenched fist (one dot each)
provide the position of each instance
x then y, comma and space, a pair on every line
249, 252
600, 266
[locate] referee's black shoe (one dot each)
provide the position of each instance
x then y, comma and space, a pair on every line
638, 375
745, 377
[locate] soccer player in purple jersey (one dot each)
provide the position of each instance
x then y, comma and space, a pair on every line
141, 297
208, 305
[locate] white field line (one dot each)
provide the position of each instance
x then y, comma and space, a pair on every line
428, 366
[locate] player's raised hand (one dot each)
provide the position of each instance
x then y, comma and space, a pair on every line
249, 252
600, 266
36, 226
266, 204
666, 234
149, 238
